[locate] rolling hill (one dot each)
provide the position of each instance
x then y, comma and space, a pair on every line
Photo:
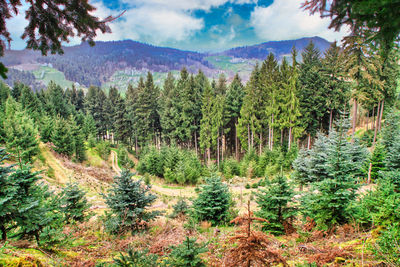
117, 63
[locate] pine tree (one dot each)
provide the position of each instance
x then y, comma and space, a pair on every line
131, 98
128, 200
250, 113
206, 120
74, 203
312, 92
377, 162
274, 203
9, 205
20, 132
78, 139
63, 138
213, 202
329, 200
166, 108
95, 103
186, 254
233, 104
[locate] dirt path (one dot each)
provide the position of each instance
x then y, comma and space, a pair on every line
114, 160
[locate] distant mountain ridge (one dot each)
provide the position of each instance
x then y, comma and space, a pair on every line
99, 65
278, 48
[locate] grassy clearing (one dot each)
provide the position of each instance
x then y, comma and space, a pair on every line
47, 74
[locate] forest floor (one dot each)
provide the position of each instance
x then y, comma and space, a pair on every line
88, 244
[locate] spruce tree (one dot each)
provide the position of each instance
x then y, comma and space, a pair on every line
329, 200
233, 104
206, 120
166, 108
128, 200
213, 202
74, 204
275, 204
63, 138
8, 191
20, 132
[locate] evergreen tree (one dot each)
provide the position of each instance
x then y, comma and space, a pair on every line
63, 138
79, 149
274, 203
186, 254
46, 128
131, 98
20, 132
312, 93
213, 202
56, 103
95, 104
166, 107
206, 120
128, 200
233, 104
377, 161
9, 207
74, 203
329, 200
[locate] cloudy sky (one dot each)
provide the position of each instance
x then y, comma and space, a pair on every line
203, 25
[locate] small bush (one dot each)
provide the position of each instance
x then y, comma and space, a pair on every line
247, 186
213, 202
230, 168
180, 208
186, 254
255, 185
137, 258
74, 203
387, 246
123, 158
103, 148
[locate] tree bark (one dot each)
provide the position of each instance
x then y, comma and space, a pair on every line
377, 122
281, 137
248, 136
3, 233
369, 173
236, 143
309, 141
330, 119
195, 142
354, 120
373, 118
272, 132
381, 113
260, 144
290, 138
208, 156
218, 151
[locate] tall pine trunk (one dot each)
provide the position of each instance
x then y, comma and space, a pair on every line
248, 136
381, 113
330, 119
377, 122
195, 142
354, 119
218, 151
309, 142
236, 142
272, 133
3, 233
373, 118
290, 137
260, 143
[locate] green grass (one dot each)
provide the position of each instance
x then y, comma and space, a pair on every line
230, 64
47, 74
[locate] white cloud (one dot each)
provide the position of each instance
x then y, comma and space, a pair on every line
151, 24
284, 20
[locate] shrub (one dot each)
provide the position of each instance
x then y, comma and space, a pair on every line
74, 203
247, 186
186, 254
387, 246
230, 167
213, 202
274, 203
137, 258
103, 148
255, 185
123, 158
128, 200
180, 208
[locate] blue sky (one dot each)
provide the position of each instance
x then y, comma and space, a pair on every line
203, 25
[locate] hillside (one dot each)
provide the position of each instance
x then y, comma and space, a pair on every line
278, 48
118, 63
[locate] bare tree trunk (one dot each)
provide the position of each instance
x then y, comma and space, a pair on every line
269, 137
281, 137
368, 121
377, 122
236, 143
208, 156
373, 118
248, 135
354, 120
3, 233
290, 138
381, 113
223, 147
252, 139
309, 141
369, 173
260, 144
272, 133
218, 151
195, 142
330, 119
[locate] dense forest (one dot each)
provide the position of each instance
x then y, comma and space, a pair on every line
314, 145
